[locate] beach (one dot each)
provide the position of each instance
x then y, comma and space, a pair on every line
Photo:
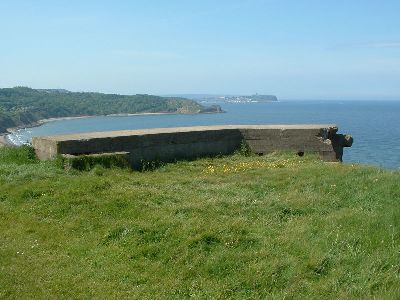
4, 141
44, 121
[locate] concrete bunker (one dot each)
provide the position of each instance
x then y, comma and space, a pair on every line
170, 144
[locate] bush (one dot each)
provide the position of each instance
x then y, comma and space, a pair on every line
21, 155
244, 149
88, 162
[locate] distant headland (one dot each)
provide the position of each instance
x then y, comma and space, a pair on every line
210, 98
26, 107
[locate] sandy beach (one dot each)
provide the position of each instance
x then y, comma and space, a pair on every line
40, 122
43, 121
4, 141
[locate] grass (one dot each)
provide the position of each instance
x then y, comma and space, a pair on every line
240, 227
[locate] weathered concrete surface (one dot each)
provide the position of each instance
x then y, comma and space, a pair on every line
168, 144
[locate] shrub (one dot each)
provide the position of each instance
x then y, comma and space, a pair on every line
88, 162
21, 155
244, 149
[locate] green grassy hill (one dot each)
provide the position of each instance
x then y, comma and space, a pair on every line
236, 227
21, 106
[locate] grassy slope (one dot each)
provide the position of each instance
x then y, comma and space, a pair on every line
240, 227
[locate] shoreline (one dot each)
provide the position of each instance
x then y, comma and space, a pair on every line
40, 122
4, 141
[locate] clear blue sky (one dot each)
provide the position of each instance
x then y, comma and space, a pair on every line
327, 49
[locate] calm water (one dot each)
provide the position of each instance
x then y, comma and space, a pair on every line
375, 125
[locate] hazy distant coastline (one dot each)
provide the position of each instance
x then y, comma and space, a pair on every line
219, 98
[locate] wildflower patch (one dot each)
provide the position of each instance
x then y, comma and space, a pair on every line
241, 166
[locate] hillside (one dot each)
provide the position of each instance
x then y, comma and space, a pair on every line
239, 227
22, 106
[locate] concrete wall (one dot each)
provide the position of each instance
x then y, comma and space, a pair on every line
168, 144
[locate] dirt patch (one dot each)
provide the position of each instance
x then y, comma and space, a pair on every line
4, 141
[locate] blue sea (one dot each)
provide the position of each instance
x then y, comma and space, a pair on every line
375, 125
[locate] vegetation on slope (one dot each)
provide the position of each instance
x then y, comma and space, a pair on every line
232, 227
22, 106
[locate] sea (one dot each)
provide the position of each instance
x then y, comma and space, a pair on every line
374, 125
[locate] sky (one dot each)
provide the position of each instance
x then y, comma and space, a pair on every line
295, 49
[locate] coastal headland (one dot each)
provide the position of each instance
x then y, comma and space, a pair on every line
25, 107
